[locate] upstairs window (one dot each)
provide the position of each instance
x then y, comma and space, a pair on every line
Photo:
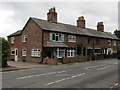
12, 39
109, 42
97, 41
24, 38
35, 53
89, 40
57, 37
72, 38
24, 52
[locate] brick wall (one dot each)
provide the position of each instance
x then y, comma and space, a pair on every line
34, 41
16, 44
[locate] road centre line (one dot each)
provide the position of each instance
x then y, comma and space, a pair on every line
88, 68
40, 74
105, 67
64, 79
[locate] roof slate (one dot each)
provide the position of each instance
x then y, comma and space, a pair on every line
67, 28
15, 33
54, 44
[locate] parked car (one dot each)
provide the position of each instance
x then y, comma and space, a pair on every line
118, 54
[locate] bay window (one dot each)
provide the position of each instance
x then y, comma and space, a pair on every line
60, 52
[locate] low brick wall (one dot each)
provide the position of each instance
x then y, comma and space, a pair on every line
73, 59
50, 61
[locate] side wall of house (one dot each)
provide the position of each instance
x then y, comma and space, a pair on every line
34, 41
17, 44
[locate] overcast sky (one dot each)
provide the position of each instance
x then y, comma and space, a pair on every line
14, 15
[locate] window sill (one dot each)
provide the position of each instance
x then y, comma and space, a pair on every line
72, 41
70, 56
35, 56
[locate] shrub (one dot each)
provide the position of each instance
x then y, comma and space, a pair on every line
5, 51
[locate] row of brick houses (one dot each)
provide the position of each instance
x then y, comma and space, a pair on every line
48, 38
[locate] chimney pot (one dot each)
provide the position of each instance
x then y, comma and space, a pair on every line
52, 15
81, 22
100, 26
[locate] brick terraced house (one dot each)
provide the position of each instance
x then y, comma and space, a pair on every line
48, 38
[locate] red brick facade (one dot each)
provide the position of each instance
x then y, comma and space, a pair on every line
36, 37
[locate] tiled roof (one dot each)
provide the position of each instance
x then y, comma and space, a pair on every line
54, 44
15, 33
67, 28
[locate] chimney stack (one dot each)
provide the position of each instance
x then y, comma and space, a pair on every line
81, 22
52, 15
100, 26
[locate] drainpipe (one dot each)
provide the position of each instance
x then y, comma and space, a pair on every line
93, 49
42, 49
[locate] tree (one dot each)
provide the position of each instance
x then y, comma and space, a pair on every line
117, 33
5, 51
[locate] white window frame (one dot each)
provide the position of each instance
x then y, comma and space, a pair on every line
60, 50
35, 53
72, 38
24, 38
12, 40
24, 52
57, 35
13, 49
71, 51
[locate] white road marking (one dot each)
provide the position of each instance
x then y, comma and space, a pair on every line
40, 75
62, 74
88, 68
105, 67
64, 79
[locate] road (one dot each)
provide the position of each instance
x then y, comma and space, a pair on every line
91, 74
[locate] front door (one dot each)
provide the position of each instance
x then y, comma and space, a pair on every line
16, 54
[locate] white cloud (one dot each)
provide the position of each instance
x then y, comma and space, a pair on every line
15, 14
7, 23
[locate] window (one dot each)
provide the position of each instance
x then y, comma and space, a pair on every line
56, 37
24, 52
97, 41
24, 38
109, 42
35, 52
70, 53
89, 40
72, 38
12, 51
12, 39
60, 52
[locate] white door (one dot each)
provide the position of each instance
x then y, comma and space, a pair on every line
16, 54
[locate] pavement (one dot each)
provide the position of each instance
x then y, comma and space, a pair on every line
93, 74
21, 65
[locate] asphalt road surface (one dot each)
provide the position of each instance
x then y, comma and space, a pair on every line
91, 74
